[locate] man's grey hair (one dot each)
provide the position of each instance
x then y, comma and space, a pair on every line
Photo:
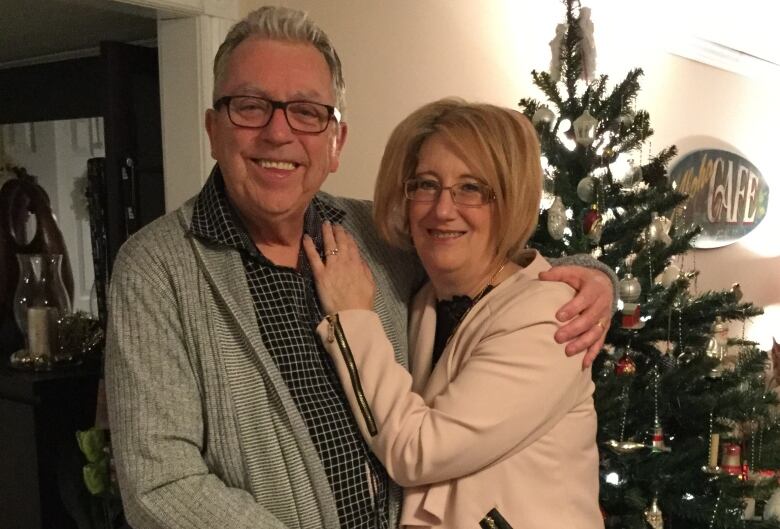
285, 24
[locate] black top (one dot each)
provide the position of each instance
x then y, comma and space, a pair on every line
449, 313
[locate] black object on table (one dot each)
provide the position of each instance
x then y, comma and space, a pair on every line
40, 413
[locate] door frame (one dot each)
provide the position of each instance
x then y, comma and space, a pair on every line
189, 33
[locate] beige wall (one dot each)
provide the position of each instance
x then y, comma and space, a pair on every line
400, 54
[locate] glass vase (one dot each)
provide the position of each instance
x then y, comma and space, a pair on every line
40, 302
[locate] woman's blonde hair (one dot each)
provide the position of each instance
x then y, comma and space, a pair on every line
498, 145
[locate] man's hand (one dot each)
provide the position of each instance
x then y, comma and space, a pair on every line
588, 315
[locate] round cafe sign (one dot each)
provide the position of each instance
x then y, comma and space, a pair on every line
728, 196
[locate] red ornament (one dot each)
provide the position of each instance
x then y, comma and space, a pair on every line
630, 316
658, 439
591, 220
625, 366
732, 460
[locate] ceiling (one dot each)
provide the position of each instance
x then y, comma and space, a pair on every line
746, 26
42, 28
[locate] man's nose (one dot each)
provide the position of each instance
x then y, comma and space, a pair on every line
278, 129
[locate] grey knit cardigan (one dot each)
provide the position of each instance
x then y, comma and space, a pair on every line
204, 430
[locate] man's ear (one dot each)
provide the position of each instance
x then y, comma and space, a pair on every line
338, 145
210, 119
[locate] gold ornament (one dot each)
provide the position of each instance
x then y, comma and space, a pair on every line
654, 516
624, 447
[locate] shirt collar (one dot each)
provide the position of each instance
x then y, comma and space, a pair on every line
215, 220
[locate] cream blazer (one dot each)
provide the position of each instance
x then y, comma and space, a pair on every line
504, 421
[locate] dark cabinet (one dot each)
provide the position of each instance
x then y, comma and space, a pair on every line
39, 457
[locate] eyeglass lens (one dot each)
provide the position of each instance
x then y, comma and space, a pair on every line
465, 194
303, 116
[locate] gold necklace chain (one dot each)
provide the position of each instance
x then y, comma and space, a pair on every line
477, 298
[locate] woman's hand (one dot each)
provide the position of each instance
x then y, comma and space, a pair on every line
344, 280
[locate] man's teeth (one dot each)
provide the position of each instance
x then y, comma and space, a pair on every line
446, 234
273, 164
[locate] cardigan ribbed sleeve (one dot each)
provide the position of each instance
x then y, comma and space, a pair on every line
155, 405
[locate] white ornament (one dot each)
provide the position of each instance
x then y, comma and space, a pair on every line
586, 189
659, 229
555, 48
585, 129
587, 46
556, 219
772, 507
668, 276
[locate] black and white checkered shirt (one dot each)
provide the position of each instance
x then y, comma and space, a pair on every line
288, 312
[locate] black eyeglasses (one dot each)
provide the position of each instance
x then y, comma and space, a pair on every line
256, 112
470, 194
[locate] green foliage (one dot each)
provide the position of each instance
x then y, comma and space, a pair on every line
677, 385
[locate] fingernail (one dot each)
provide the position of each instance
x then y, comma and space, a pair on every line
563, 316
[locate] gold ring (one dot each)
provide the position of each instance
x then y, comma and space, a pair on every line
334, 251
601, 324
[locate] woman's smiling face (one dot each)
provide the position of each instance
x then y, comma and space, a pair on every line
456, 243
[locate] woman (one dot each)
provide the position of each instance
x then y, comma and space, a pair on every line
495, 423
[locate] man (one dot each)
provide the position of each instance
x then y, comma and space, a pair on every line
225, 411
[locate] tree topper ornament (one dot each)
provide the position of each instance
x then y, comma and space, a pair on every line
587, 46
555, 48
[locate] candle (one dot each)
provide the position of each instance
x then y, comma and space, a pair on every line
714, 442
42, 331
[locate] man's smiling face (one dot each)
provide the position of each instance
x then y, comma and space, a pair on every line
272, 173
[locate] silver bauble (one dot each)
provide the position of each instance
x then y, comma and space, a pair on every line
630, 289
542, 115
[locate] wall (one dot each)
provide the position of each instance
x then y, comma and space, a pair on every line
398, 55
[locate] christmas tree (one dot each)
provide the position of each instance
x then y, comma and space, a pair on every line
685, 414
